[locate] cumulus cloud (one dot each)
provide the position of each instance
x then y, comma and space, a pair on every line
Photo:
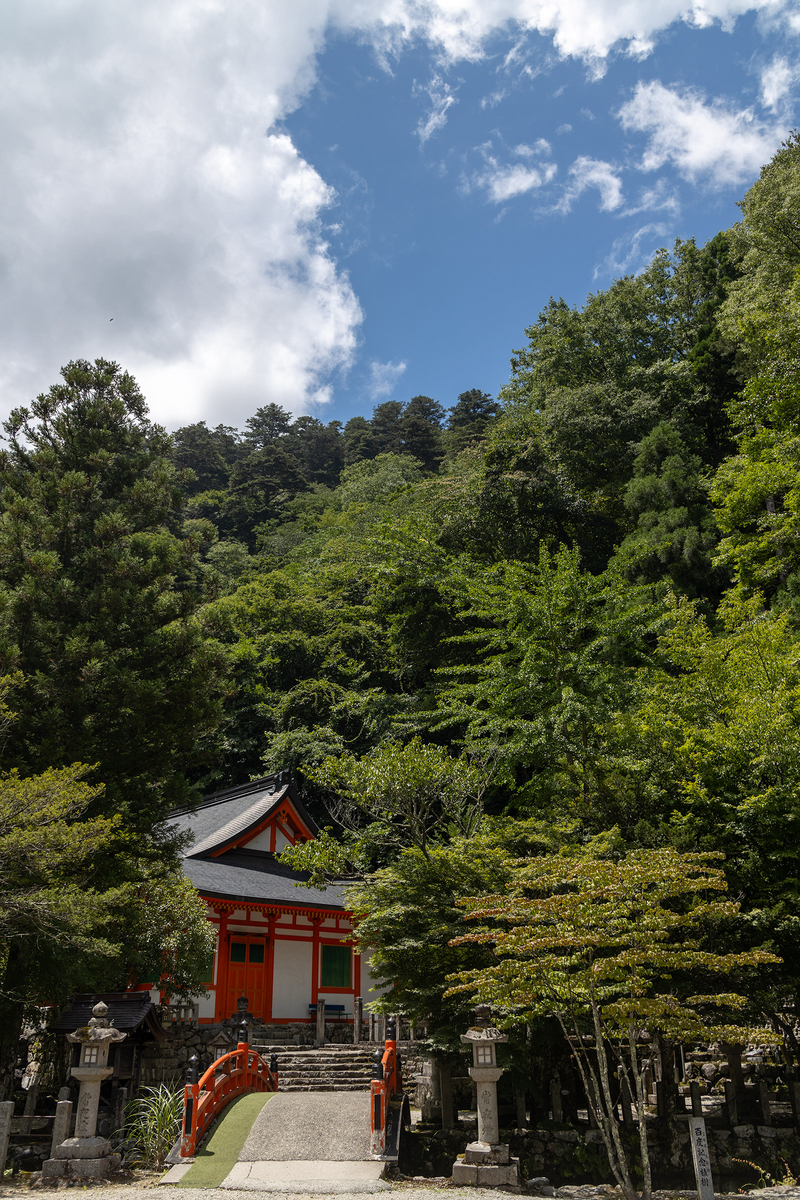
702, 138
588, 172
140, 183
383, 378
586, 29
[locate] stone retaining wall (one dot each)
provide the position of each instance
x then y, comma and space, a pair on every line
578, 1156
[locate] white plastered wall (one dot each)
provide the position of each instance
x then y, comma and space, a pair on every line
263, 841
291, 989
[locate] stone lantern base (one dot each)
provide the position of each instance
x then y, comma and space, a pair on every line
82, 1158
486, 1166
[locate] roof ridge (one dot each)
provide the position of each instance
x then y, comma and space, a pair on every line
238, 824
241, 789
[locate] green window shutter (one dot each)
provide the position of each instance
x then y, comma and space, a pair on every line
335, 966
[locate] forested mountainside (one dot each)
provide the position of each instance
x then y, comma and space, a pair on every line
470, 625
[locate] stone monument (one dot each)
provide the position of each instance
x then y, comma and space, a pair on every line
487, 1162
86, 1156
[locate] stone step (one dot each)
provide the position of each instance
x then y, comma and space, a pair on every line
350, 1077
332, 1068
323, 1087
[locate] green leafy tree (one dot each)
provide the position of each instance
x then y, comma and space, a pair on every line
422, 431
756, 489
208, 453
615, 950
408, 914
551, 657
713, 752
100, 596
84, 903
266, 426
397, 796
387, 426
360, 440
675, 533
469, 418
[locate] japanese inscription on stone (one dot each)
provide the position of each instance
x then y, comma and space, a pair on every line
702, 1159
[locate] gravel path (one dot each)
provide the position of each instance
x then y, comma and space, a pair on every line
310, 1127
406, 1190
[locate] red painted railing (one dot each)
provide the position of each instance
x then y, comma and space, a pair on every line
243, 1070
387, 1082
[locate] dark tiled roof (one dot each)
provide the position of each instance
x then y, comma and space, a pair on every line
127, 1011
222, 817
249, 875
242, 874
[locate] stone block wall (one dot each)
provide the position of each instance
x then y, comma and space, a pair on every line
574, 1156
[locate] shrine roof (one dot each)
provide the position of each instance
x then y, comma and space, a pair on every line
221, 868
224, 817
251, 875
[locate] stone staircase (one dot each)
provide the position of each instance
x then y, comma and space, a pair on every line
332, 1068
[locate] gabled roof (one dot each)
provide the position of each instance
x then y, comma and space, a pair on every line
223, 819
220, 867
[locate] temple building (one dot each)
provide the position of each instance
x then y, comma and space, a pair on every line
284, 946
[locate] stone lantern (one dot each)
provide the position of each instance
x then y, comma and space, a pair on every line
487, 1162
85, 1155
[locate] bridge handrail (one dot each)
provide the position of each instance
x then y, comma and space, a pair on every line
387, 1082
241, 1070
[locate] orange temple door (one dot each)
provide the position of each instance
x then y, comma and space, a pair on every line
247, 972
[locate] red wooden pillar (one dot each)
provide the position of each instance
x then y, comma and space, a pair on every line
270, 967
222, 966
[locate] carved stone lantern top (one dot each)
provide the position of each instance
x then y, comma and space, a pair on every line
483, 1036
98, 1029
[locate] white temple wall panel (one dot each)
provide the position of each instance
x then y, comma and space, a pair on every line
291, 994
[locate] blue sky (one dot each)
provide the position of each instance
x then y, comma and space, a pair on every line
344, 201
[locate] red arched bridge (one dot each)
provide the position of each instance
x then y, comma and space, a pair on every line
342, 1134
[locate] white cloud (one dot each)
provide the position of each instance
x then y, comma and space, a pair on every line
564, 129
659, 198
383, 378
140, 183
701, 138
540, 146
145, 179
441, 97
588, 172
586, 29
632, 251
777, 81
503, 182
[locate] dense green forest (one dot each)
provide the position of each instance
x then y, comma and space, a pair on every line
565, 617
